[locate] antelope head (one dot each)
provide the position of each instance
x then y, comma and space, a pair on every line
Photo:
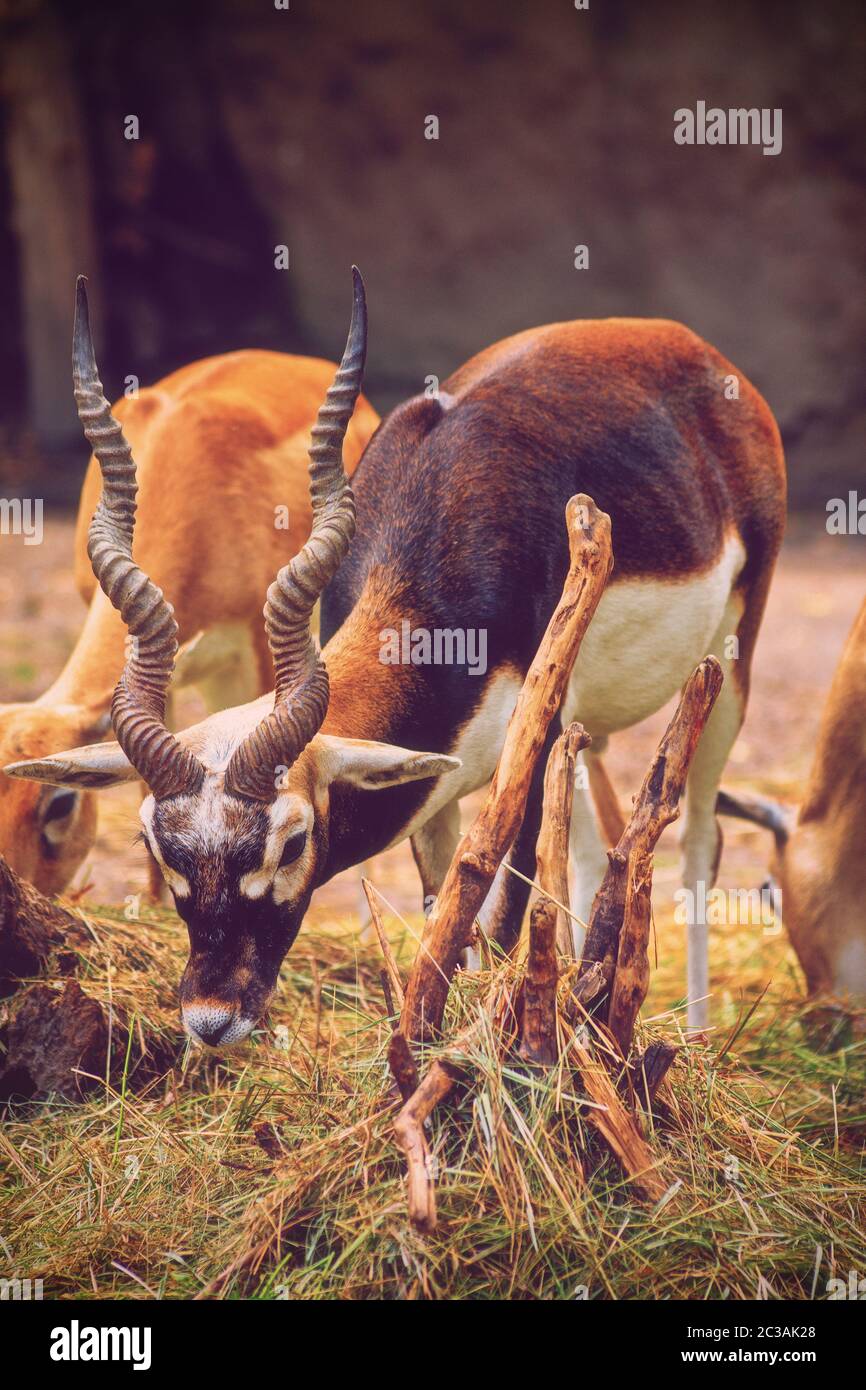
46, 833
237, 815
816, 865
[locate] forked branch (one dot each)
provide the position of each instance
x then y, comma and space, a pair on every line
619, 925
409, 1132
482, 849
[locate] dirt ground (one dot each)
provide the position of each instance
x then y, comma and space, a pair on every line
818, 588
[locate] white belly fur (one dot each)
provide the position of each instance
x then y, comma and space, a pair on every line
478, 749
646, 638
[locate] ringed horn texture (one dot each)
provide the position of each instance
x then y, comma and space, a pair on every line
138, 706
301, 697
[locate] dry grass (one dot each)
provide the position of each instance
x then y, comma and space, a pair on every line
272, 1172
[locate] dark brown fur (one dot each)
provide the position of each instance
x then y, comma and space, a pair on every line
460, 519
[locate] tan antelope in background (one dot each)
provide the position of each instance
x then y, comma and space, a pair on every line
820, 851
460, 526
220, 446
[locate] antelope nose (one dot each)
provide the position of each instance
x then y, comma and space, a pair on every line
211, 1023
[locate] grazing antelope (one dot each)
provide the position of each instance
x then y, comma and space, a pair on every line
460, 526
221, 445
819, 860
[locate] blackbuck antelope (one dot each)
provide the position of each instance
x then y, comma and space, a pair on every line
460, 526
819, 861
223, 498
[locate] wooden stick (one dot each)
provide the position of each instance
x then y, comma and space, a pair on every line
390, 960
590, 984
617, 1128
650, 1069
551, 854
390, 1010
538, 1043
496, 1013
404, 1069
480, 852
627, 883
409, 1131
632, 975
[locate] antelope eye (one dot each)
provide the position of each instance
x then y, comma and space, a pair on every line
63, 804
293, 848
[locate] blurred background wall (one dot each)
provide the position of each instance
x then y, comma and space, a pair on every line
305, 126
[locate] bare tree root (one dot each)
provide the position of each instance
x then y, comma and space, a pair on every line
612, 979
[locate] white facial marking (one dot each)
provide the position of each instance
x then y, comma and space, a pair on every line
287, 815
176, 882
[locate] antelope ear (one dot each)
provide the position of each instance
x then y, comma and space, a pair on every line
370, 765
95, 766
760, 810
